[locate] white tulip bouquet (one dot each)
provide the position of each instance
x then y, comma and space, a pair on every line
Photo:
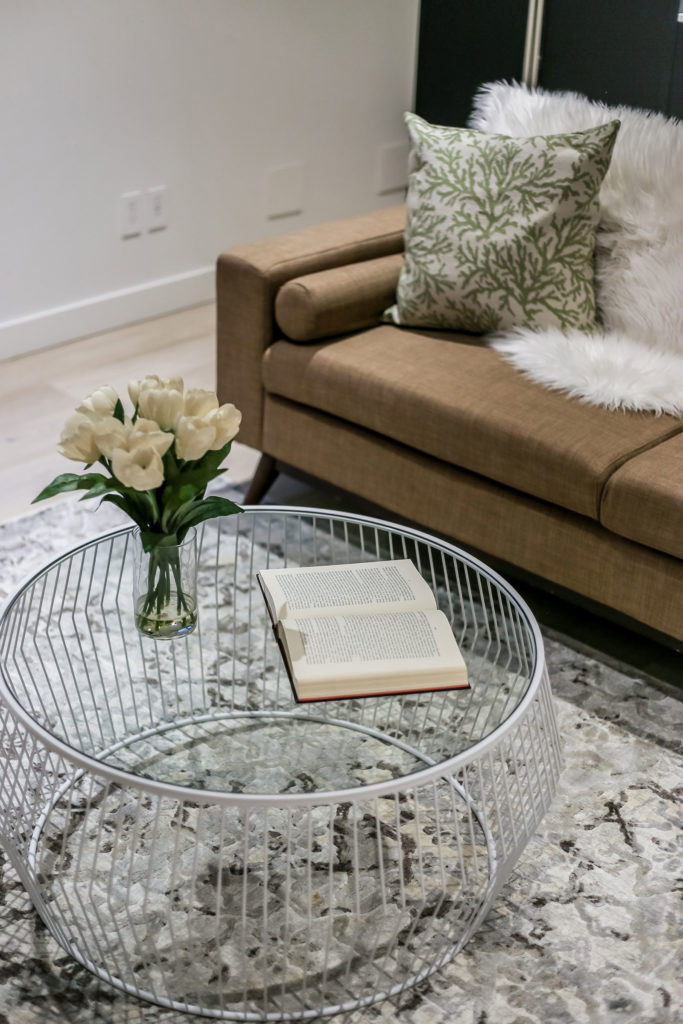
158, 463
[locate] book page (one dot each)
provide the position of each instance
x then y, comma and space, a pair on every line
373, 647
338, 589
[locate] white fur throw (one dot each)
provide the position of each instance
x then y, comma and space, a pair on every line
637, 361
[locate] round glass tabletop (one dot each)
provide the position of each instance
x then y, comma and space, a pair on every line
214, 710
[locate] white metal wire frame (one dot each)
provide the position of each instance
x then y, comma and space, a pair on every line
192, 836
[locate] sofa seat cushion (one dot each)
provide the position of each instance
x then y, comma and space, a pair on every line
452, 397
643, 500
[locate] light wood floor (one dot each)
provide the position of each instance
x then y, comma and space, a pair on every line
40, 390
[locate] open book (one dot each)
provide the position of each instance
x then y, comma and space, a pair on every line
362, 630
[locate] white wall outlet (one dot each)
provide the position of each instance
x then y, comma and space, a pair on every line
391, 174
157, 208
285, 191
130, 214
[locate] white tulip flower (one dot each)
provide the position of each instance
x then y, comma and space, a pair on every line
148, 432
100, 403
77, 440
199, 402
141, 469
152, 381
136, 386
160, 404
172, 383
226, 420
194, 437
110, 434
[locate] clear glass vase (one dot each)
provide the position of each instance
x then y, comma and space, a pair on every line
165, 589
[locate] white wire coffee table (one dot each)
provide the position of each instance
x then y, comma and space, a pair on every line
195, 838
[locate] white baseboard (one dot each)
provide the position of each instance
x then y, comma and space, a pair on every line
105, 312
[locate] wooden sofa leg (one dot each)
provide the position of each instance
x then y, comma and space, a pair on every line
265, 475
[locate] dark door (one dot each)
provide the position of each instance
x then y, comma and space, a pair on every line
463, 43
618, 51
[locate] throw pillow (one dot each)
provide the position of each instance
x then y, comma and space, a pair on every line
500, 231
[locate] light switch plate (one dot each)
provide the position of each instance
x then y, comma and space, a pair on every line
130, 214
157, 208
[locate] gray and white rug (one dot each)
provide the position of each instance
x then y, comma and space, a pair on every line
588, 929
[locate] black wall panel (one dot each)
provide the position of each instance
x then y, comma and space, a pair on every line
618, 51
463, 43
675, 104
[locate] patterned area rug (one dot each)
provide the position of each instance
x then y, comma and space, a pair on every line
588, 929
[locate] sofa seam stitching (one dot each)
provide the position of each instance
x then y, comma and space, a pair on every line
617, 464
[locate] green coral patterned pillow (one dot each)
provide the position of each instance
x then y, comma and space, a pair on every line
500, 231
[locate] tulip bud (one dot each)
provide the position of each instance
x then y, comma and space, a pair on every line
136, 386
226, 421
152, 382
110, 434
100, 403
172, 383
77, 440
160, 404
193, 437
199, 402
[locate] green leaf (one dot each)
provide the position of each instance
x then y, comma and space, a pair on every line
190, 481
70, 482
118, 413
150, 540
171, 466
173, 514
196, 478
187, 492
215, 458
206, 468
148, 499
208, 508
125, 506
174, 496
101, 487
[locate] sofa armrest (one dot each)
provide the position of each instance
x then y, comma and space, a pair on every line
247, 281
337, 301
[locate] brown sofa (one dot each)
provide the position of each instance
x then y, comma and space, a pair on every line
437, 428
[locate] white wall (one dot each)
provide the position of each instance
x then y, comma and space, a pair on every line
98, 97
